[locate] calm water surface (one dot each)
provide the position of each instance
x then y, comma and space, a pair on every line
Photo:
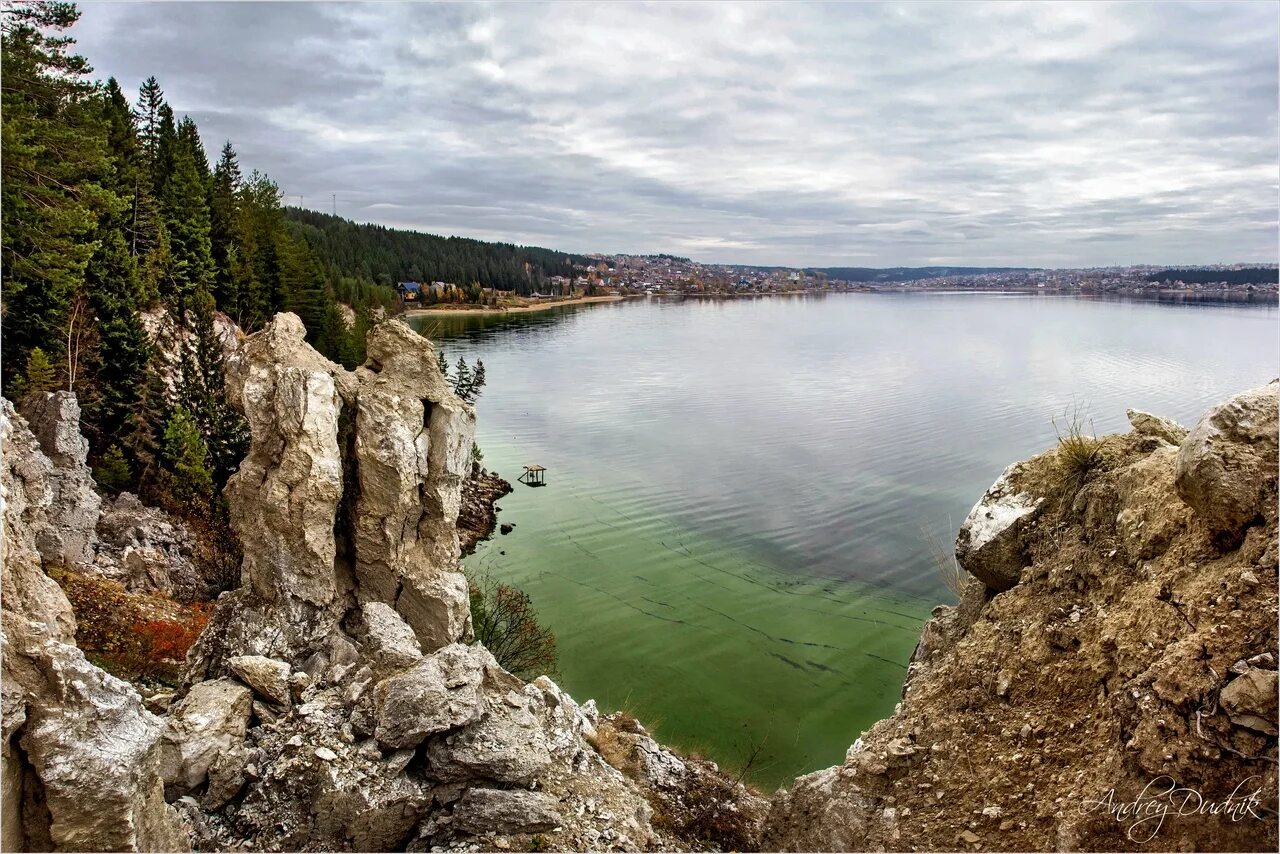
731, 542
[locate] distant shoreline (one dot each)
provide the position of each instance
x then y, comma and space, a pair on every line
515, 309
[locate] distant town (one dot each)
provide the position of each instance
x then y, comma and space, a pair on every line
599, 277
666, 275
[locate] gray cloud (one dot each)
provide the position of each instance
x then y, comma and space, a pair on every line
804, 134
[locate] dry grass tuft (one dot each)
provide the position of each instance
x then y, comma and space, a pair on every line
1079, 452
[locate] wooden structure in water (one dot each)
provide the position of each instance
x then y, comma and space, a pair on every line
534, 475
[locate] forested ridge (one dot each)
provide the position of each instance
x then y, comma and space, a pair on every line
1259, 275
114, 219
376, 255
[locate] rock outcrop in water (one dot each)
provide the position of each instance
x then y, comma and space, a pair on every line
1117, 638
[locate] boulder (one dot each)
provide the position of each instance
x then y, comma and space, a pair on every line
268, 677
1250, 700
388, 641
441, 692
507, 745
208, 722
1151, 514
503, 811
70, 535
991, 542
1165, 429
1227, 464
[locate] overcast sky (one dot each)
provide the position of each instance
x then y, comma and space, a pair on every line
854, 134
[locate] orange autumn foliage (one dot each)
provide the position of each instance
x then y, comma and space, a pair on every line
132, 635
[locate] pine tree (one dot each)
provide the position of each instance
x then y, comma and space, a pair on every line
462, 380
186, 460
38, 378
166, 141
442, 363
142, 439
51, 193
139, 218
113, 473
202, 392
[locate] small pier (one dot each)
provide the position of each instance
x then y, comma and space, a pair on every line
534, 475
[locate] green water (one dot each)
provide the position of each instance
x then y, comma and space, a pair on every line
730, 541
716, 651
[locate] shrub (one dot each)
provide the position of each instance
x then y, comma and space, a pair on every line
1079, 453
112, 473
944, 561
132, 635
505, 622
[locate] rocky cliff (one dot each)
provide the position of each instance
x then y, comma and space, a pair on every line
335, 701
1118, 633
1108, 679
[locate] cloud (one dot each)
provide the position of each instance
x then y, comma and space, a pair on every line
805, 134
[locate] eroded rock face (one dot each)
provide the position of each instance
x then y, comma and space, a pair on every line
148, 550
1227, 463
71, 537
80, 755
349, 493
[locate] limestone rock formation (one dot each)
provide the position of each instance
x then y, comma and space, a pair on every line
1227, 463
80, 756
1133, 644
54, 418
413, 445
990, 542
334, 702
349, 491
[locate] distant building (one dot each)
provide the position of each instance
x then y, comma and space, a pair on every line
410, 293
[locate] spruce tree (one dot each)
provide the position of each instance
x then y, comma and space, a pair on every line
122, 346
51, 176
222, 229
185, 205
186, 459
112, 473
147, 113
202, 391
